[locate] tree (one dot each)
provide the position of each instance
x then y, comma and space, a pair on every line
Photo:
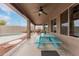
2, 22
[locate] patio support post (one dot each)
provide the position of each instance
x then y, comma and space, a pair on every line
28, 29
34, 29
44, 28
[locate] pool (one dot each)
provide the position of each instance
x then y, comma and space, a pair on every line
6, 38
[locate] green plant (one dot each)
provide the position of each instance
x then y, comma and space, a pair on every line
2, 22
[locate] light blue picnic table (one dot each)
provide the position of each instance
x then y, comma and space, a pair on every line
48, 38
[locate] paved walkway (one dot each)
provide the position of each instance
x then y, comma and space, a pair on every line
28, 48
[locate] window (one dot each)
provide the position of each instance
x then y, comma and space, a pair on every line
46, 28
64, 23
74, 22
53, 25
39, 27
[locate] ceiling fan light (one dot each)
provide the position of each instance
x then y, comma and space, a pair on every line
40, 12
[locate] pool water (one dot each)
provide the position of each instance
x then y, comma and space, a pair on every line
7, 38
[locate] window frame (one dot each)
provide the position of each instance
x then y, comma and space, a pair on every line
53, 23
62, 19
72, 19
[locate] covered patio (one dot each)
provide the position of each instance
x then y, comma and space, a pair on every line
54, 19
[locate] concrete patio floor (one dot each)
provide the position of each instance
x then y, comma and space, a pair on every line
29, 48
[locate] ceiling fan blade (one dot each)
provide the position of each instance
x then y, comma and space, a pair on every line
36, 11
44, 12
39, 14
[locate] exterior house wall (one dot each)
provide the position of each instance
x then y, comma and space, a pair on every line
70, 44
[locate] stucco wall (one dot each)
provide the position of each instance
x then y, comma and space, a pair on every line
71, 44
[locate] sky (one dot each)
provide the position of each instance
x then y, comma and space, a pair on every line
11, 17
76, 23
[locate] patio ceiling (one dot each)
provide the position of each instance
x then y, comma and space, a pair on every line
30, 11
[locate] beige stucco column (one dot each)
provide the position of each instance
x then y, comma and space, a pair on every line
58, 24
49, 26
28, 29
34, 28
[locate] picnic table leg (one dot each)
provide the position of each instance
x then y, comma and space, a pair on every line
39, 43
56, 45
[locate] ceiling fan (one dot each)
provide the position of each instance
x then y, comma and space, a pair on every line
41, 11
